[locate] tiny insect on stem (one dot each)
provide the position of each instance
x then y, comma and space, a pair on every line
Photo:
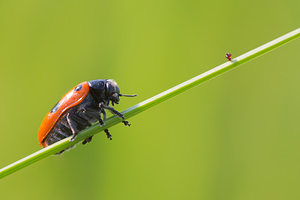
228, 56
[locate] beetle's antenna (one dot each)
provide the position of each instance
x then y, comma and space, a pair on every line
126, 95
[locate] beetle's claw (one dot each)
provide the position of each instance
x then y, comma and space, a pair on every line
121, 115
72, 138
126, 123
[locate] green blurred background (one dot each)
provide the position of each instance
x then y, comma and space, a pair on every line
235, 137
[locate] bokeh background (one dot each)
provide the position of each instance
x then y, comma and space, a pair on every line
234, 137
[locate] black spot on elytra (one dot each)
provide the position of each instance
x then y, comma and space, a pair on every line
78, 87
55, 108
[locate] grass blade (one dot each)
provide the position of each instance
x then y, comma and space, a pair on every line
130, 112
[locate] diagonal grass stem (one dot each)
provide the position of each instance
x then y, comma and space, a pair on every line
130, 112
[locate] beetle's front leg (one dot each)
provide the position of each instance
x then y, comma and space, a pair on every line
112, 110
126, 123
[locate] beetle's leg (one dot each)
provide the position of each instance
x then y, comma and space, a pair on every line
108, 134
94, 114
126, 123
76, 122
101, 122
111, 109
91, 112
89, 139
73, 128
80, 122
103, 113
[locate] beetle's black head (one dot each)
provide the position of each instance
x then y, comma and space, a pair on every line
112, 91
106, 90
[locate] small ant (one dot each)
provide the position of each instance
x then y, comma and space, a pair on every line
228, 56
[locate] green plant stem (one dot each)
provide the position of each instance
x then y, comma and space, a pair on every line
151, 102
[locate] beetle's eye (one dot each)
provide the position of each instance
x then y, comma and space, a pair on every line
78, 87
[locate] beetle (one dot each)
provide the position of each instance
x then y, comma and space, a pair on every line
78, 109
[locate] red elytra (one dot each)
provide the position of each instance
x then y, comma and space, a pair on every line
69, 100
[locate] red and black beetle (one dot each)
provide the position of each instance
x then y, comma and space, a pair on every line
80, 107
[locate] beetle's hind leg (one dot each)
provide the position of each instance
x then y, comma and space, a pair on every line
72, 123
